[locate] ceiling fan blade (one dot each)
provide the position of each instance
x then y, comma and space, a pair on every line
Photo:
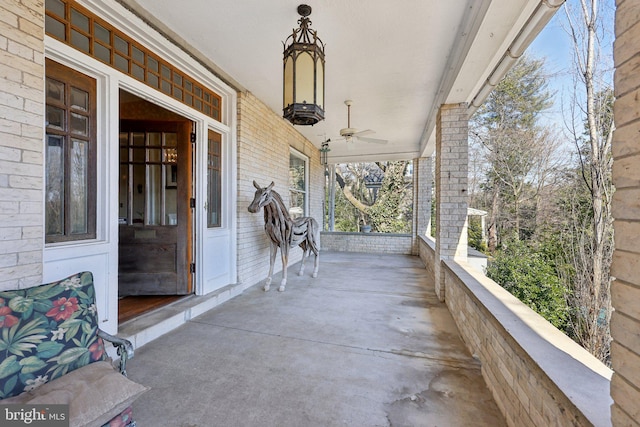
373, 140
364, 132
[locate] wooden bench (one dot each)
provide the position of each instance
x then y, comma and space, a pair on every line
52, 352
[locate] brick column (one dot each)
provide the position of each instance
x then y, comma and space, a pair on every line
21, 146
422, 189
452, 163
625, 290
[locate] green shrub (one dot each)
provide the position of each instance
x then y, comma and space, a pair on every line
531, 277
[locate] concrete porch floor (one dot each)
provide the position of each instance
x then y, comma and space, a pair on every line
367, 343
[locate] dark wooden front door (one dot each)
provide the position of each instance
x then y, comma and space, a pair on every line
155, 215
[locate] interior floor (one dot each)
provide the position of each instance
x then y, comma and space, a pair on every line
133, 306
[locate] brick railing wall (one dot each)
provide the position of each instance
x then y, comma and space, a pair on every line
367, 242
21, 146
427, 253
538, 376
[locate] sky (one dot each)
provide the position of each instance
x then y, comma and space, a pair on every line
553, 44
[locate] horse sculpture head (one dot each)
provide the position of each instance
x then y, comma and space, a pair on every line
261, 198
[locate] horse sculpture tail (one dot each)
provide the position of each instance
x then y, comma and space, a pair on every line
314, 236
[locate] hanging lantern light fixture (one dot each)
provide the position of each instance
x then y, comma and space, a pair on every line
324, 152
303, 89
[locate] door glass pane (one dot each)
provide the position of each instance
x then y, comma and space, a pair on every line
155, 155
123, 192
213, 209
139, 151
170, 155
139, 172
78, 187
171, 194
55, 185
214, 180
55, 117
79, 124
170, 139
123, 207
154, 139
79, 99
55, 91
154, 195
138, 139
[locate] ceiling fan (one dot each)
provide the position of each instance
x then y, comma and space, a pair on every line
349, 134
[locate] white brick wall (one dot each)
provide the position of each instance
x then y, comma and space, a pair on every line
625, 290
264, 141
21, 142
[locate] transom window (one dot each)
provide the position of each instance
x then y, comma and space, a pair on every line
297, 184
70, 23
70, 177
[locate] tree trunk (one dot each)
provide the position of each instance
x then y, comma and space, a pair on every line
349, 195
492, 232
592, 291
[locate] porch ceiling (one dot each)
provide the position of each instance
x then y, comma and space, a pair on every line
398, 61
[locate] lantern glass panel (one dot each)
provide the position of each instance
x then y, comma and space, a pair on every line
320, 84
288, 82
304, 79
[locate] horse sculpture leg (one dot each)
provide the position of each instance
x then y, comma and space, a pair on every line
284, 253
316, 264
272, 259
314, 237
304, 255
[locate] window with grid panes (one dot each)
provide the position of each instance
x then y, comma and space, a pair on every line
70, 155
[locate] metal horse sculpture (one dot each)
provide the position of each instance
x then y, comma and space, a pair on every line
285, 232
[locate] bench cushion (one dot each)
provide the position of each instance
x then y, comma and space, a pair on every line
47, 331
95, 393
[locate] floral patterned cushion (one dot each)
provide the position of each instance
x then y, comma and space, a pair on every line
47, 331
124, 419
